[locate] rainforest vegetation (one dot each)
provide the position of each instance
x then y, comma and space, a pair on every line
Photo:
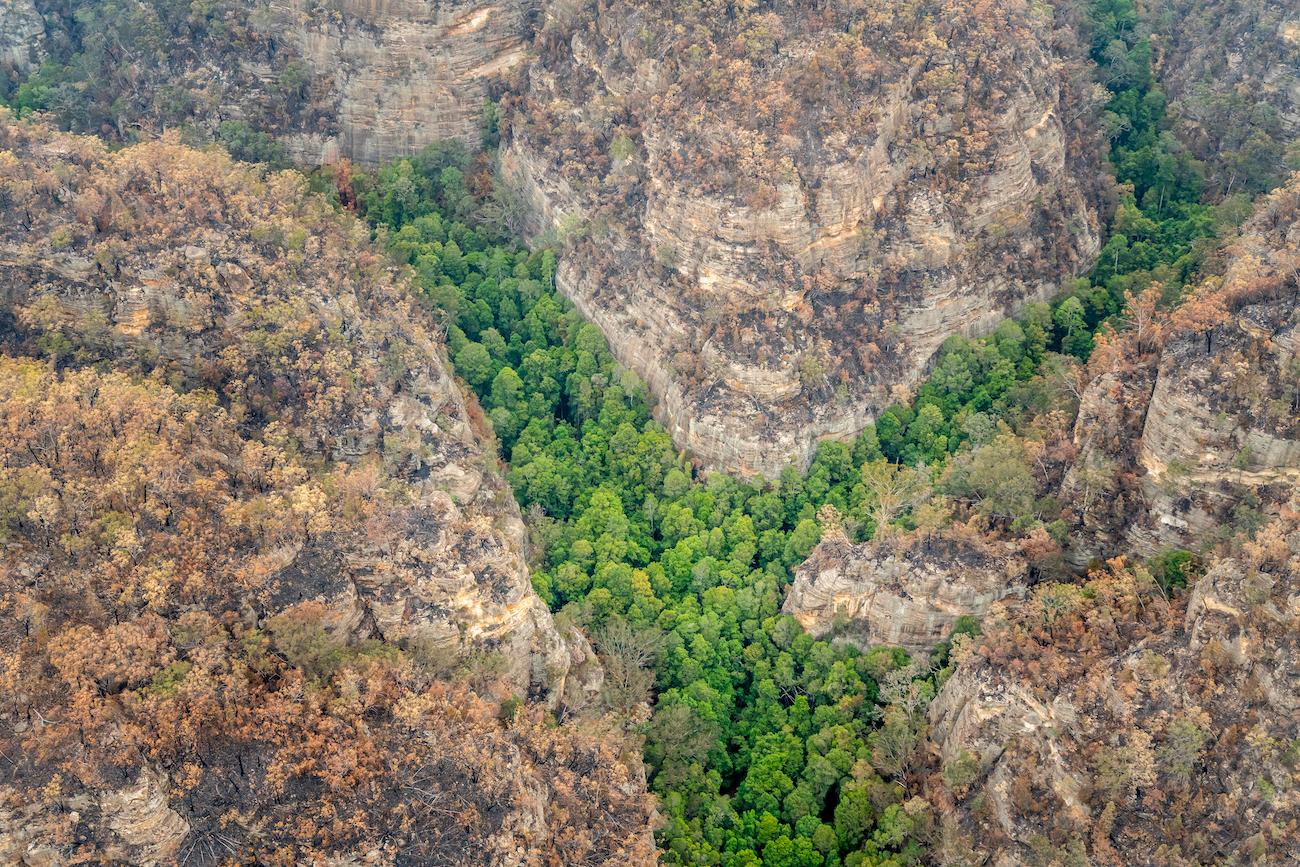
763, 742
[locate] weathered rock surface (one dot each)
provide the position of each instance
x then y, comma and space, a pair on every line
888, 593
262, 589
1104, 724
403, 74
1100, 484
1223, 427
777, 217
1175, 444
140, 825
159, 258
22, 33
367, 81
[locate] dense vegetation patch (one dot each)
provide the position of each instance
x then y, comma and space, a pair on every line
765, 746
129, 70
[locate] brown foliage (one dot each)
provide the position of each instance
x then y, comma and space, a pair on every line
1132, 708
223, 476
122, 651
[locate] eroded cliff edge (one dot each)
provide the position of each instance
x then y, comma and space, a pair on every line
403, 75
1189, 427
1106, 723
903, 592
1112, 721
777, 217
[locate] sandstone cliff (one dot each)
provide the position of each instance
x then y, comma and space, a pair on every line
1203, 433
777, 216
362, 80
908, 595
1103, 724
1223, 427
1100, 486
165, 703
402, 74
22, 34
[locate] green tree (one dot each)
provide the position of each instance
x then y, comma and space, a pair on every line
1072, 327
474, 364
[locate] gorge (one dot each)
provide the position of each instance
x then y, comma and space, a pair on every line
724, 433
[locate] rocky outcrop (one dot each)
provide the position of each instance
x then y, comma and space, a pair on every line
140, 825
1183, 442
908, 595
1086, 717
22, 33
1223, 427
359, 80
159, 259
402, 74
1100, 485
776, 217
263, 590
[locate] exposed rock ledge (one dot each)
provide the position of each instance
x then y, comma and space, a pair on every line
1085, 717
887, 593
21, 35
1199, 434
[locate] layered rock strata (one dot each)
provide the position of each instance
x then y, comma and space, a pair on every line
776, 217
159, 259
263, 590
906, 595
1200, 435
404, 74
364, 81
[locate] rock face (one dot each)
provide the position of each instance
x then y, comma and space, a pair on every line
1086, 718
1204, 434
402, 74
216, 278
361, 80
885, 593
21, 35
777, 216
1223, 428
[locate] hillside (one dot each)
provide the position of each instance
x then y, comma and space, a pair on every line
1232, 71
725, 433
1089, 710
777, 216
250, 533
1190, 426
1107, 724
